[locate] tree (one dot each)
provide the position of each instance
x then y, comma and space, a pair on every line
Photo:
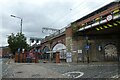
17, 41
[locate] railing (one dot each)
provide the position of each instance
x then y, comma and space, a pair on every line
58, 33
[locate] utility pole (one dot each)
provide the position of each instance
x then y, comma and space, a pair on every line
20, 22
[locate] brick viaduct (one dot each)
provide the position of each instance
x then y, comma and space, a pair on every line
100, 35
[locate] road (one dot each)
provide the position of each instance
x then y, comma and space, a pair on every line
3, 66
105, 70
63, 70
0, 68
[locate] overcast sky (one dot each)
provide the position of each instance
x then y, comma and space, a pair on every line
42, 13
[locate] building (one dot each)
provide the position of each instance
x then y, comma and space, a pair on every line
5, 51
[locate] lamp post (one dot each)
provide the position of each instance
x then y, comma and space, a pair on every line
20, 28
20, 22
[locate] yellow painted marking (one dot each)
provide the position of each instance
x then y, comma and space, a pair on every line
118, 22
101, 28
115, 24
116, 11
109, 25
105, 27
97, 18
97, 29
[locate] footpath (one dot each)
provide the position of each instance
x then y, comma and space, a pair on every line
29, 70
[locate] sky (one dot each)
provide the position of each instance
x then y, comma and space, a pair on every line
37, 14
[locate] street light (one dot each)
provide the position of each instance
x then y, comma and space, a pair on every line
20, 29
20, 22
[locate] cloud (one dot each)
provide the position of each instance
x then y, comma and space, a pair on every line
42, 13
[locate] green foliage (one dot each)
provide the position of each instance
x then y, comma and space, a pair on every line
17, 41
75, 28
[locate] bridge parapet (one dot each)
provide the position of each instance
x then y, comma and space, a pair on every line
54, 35
100, 16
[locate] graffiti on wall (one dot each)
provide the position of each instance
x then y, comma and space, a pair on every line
110, 50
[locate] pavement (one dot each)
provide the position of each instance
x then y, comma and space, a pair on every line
62, 70
30, 70
0, 68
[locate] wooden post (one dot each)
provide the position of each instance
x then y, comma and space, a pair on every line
24, 57
16, 57
36, 58
21, 56
57, 57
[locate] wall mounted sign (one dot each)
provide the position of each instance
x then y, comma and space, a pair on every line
69, 57
79, 51
109, 17
110, 50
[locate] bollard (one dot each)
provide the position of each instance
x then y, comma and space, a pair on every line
36, 60
57, 57
24, 57
21, 57
33, 60
16, 57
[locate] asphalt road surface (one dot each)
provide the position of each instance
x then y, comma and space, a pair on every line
63, 70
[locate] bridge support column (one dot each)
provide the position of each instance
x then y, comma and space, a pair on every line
69, 41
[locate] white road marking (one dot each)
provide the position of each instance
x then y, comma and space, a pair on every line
116, 76
80, 74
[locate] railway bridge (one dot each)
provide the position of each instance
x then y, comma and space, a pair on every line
94, 37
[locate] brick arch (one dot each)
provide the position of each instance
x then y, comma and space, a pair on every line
45, 48
55, 43
58, 43
43, 45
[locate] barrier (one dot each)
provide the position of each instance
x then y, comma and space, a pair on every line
22, 58
16, 57
57, 57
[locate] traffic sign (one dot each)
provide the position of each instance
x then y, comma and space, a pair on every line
87, 47
109, 17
